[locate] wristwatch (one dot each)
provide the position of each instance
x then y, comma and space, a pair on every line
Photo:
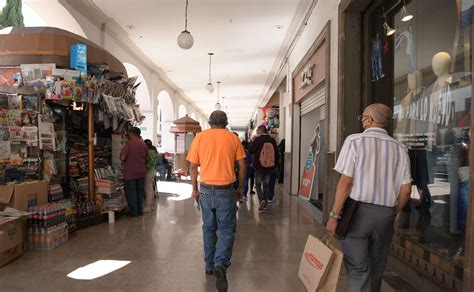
334, 215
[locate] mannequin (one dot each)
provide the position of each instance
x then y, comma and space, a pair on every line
440, 64
412, 107
440, 107
409, 104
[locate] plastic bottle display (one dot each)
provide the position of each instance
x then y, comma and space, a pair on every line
47, 227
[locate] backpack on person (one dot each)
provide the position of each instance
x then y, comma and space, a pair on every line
267, 155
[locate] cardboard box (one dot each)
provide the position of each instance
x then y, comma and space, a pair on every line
11, 239
25, 195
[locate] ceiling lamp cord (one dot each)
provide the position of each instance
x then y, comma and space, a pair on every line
209, 86
186, 17
185, 39
218, 105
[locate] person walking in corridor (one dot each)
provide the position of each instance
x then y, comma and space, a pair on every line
216, 150
150, 182
375, 173
265, 161
134, 156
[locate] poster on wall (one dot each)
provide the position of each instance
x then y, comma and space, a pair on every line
309, 170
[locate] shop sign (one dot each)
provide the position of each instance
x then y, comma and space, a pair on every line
309, 171
305, 76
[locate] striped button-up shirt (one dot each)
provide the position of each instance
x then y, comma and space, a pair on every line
378, 164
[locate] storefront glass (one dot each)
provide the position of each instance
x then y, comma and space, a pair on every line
432, 102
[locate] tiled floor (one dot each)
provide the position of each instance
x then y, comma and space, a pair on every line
165, 250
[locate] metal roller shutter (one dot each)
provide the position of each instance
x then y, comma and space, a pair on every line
314, 101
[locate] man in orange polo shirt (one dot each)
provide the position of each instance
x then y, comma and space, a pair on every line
216, 151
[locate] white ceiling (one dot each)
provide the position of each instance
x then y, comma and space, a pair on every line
242, 34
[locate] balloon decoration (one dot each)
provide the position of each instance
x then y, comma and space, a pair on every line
271, 117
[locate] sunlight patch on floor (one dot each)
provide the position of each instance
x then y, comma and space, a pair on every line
182, 190
98, 269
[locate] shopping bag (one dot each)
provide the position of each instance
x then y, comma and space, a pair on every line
314, 263
329, 283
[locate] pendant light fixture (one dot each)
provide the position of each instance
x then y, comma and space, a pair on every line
388, 30
218, 105
406, 16
209, 86
185, 39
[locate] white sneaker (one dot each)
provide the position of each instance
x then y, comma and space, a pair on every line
269, 201
146, 210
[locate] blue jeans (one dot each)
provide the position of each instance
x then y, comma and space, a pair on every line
262, 182
135, 191
162, 170
219, 211
271, 187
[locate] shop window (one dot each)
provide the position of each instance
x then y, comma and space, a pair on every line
431, 84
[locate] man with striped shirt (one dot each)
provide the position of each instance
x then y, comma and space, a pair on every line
375, 171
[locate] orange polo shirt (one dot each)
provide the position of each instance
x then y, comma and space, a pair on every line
216, 150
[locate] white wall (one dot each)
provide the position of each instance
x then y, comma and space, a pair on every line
325, 10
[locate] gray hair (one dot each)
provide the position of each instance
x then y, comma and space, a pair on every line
380, 113
218, 118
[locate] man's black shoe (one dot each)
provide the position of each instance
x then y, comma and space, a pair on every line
221, 279
209, 272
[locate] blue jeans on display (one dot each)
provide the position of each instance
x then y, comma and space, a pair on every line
462, 204
134, 192
271, 187
219, 211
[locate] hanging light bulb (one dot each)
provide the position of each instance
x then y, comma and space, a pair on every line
185, 39
406, 16
218, 105
209, 86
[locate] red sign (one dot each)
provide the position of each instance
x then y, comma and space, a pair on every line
311, 258
308, 174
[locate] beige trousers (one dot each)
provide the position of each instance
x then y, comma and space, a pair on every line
149, 190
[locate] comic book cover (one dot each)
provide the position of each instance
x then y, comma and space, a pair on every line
67, 90
4, 134
29, 102
47, 139
35, 74
30, 135
3, 101
15, 134
14, 102
18, 152
29, 118
10, 76
14, 118
5, 152
3, 118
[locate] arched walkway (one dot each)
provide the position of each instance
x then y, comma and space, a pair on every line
165, 121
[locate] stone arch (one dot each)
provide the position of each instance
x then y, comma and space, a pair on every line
166, 116
54, 14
